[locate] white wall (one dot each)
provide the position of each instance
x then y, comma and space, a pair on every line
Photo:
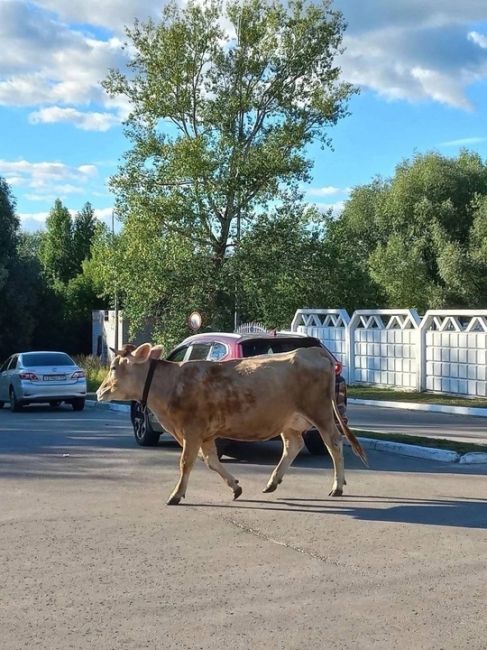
444, 351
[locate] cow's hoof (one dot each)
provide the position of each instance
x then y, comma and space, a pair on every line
270, 488
237, 492
173, 501
338, 492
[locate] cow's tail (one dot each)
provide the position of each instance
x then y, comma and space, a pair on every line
355, 444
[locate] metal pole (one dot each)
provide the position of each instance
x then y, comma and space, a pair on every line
236, 316
115, 293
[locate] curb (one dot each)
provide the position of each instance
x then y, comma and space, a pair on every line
428, 453
473, 457
111, 406
432, 408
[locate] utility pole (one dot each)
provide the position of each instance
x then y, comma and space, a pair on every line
115, 292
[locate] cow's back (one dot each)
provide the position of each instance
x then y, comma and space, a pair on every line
252, 397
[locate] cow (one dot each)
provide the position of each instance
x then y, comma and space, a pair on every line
249, 399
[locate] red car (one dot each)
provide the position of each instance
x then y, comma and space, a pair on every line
221, 346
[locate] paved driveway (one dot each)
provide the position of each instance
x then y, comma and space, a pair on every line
92, 558
465, 428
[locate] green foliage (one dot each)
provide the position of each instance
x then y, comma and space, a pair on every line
84, 227
94, 368
421, 235
9, 226
57, 251
219, 126
18, 280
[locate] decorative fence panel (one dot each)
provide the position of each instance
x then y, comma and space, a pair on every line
455, 346
384, 348
328, 325
445, 351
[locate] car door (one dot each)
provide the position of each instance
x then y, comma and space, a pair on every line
9, 375
4, 380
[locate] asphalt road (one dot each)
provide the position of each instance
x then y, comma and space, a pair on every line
464, 428
91, 557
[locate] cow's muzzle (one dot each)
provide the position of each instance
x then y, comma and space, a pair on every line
103, 394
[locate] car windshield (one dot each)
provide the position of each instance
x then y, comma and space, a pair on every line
254, 347
47, 359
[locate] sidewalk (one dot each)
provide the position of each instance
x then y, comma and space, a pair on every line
390, 446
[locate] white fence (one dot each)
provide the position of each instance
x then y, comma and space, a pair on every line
444, 351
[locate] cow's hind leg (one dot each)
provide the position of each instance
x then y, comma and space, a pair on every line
186, 462
333, 442
292, 445
210, 456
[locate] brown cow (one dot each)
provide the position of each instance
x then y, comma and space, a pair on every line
244, 399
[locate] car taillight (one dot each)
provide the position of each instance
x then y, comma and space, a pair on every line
338, 367
31, 376
79, 374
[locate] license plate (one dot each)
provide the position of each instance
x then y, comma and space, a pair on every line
54, 377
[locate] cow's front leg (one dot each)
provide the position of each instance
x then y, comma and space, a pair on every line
292, 445
186, 462
208, 449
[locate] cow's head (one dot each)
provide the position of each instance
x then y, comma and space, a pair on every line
126, 378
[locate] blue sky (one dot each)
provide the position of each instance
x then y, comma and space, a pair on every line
421, 67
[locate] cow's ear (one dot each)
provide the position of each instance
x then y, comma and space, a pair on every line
157, 352
141, 354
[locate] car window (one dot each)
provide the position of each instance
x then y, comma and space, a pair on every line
218, 351
255, 347
13, 362
199, 351
5, 365
30, 359
178, 355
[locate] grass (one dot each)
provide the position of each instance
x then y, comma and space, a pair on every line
95, 370
391, 395
438, 443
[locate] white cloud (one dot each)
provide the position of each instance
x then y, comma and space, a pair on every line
32, 221
115, 14
336, 208
46, 63
47, 178
478, 39
463, 142
54, 53
328, 190
85, 121
415, 50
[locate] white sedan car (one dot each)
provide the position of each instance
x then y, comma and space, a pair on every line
36, 377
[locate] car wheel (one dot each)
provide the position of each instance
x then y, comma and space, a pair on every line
145, 436
78, 403
15, 405
1, 404
55, 404
314, 443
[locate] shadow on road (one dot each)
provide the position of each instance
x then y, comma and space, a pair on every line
462, 513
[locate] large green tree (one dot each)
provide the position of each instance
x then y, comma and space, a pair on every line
19, 281
57, 254
9, 226
225, 98
84, 227
421, 234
